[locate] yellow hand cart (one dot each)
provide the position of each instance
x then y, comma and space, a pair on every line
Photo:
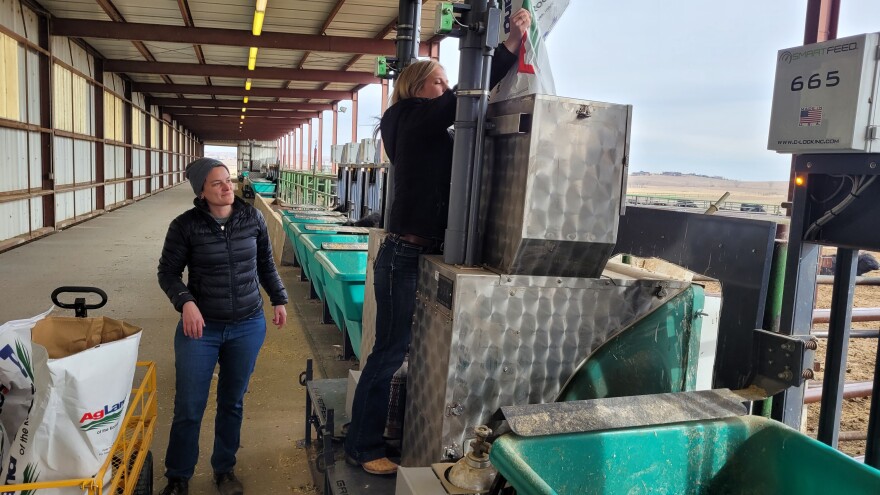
130, 459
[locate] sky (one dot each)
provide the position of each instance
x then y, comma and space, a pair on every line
698, 73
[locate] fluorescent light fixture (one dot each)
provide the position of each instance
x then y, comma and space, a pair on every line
252, 58
247, 84
245, 99
258, 22
261, 5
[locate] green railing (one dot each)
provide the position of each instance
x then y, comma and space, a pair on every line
305, 187
681, 202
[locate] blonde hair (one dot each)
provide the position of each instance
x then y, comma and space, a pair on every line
412, 79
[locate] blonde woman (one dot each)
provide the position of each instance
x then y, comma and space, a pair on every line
414, 131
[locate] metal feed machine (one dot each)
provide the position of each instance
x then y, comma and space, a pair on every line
524, 327
544, 318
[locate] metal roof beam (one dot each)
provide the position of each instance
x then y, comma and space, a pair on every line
223, 122
79, 28
220, 120
283, 114
278, 73
194, 89
200, 102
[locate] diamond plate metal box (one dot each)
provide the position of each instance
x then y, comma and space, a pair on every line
553, 185
483, 340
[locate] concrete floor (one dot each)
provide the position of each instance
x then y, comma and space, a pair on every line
119, 252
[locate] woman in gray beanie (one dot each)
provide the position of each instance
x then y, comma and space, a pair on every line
224, 243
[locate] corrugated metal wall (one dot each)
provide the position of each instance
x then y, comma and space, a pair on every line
40, 193
139, 152
19, 102
257, 154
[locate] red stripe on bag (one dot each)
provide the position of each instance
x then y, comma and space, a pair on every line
523, 67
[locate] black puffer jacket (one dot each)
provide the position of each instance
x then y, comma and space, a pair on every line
414, 132
227, 264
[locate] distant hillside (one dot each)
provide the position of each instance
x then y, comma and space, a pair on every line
227, 157
696, 187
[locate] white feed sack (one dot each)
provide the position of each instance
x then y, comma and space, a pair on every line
531, 74
83, 377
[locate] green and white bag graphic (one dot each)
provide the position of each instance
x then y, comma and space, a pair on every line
83, 370
531, 74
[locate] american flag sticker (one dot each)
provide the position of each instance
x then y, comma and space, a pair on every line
810, 116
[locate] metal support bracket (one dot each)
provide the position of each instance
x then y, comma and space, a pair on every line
781, 361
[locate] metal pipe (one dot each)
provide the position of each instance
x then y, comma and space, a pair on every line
838, 343
851, 390
407, 41
858, 314
829, 279
853, 334
852, 436
466, 119
773, 308
473, 243
713, 208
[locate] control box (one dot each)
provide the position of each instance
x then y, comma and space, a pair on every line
825, 97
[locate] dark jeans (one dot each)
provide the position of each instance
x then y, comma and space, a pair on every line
235, 346
395, 275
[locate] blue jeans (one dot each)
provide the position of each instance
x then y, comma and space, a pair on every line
235, 346
395, 275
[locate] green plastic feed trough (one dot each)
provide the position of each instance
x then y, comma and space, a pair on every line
289, 219
743, 455
263, 187
344, 276
312, 244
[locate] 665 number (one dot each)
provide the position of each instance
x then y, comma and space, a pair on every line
815, 81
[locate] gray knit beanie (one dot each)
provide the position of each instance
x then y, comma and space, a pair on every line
197, 172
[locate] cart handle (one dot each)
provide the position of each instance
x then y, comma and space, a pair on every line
79, 304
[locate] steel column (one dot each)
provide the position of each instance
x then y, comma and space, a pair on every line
148, 143
320, 158
798, 298
467, 118
98, 91
334, 139
309, 148
129, 134
838, 343
46, 138
354, 117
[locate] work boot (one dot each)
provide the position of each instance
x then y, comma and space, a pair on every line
176, 486
228, 484
382, 465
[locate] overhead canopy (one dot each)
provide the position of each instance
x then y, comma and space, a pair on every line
191, 56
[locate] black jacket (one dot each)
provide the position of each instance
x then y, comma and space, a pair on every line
414, 133
227, 264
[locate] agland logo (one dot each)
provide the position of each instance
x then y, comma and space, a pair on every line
789, 56
102, 417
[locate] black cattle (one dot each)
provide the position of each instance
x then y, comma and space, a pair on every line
867, 263
371, 220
